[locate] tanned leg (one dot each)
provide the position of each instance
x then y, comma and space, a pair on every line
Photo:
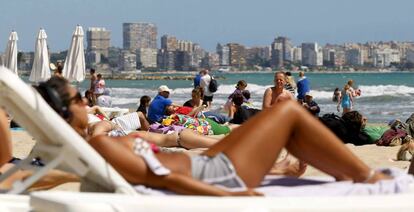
254, 146
5, 139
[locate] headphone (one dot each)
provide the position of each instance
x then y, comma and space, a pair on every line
55, 101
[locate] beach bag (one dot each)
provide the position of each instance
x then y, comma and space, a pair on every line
213, 86
392, 137
406, 151
409, 125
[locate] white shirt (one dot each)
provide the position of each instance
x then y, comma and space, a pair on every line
204, 83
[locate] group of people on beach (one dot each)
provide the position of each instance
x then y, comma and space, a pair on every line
238, 161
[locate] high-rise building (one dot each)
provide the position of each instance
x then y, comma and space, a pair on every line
128, 61
98, 40
237, 56
166, 59
146, 58
169, 43
183, 60
409, 56
384, 57
197, 54
296, 54
276, 54
184, 45
354, 57
286, 47
223, 52
139, 35
311, 54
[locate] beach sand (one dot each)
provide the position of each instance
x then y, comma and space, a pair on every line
374, 156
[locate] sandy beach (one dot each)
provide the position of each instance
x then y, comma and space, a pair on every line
374, 156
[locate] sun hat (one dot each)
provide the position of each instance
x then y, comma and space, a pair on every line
163, 88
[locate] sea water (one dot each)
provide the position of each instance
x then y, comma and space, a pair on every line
384, 96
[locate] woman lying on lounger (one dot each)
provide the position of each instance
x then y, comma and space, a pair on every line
239, 161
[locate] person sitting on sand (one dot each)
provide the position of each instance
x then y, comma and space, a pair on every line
156, 110
240, 87
242, 158
196, 98
104, 100
51, 179
196, 101
311, 105
277, 93
144, 103
240, 113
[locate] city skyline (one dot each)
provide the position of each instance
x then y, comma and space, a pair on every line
249, 23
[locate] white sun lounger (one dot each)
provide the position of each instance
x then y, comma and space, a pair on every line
14, 203
60, 146
71, 201
57, 143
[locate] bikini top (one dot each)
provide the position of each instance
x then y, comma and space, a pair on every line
146, 151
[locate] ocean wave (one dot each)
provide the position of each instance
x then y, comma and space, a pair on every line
131, 95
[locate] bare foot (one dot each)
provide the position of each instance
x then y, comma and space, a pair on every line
288, 168
377, 177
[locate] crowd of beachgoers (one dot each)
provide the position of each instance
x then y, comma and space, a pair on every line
241, 144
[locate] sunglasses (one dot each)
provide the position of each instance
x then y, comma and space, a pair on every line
76, 99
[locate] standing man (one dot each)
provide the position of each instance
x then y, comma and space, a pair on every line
205, 83
303, 85
197, 79
92, 85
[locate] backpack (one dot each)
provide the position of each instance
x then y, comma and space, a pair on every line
344, 130
212, 87
336, 124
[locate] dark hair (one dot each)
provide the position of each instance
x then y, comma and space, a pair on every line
142, 104
88, 95
59, 69
246, 94
241, 83
144, 100
55, 92
354, 119
99, 75
288, 73
92, 71
238, 99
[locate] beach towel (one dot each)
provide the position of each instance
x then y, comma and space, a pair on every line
199, 125
277, 186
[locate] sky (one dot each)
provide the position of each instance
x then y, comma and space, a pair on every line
207, 22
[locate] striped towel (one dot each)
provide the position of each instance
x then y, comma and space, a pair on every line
128, 123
